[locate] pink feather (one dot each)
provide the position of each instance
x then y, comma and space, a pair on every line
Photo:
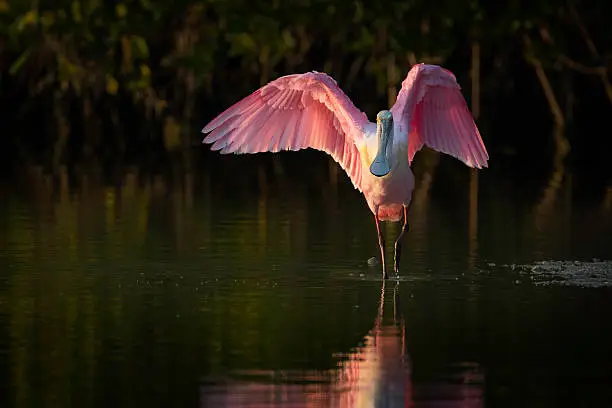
291, 113
431, 106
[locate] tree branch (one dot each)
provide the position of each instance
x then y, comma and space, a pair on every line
583, 69
555, 109
591, 46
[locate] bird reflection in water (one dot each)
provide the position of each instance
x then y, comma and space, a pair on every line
375, 374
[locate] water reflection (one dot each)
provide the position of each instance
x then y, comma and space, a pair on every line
377, 373
545, 218
187, 289
206, 205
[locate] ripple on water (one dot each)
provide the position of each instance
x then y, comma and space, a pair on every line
594, 274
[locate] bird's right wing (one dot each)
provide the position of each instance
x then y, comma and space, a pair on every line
291, 113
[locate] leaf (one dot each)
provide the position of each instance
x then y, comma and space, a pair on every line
47, 19
140, 46
19, 62
75, 7
138, 84
145, 70
121, 10
112, 86
242, 43
172, 134
288, 39
29, 18
358, 12
160, 105
65, 68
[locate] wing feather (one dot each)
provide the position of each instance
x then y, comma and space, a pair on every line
433, 110
291, 113
223, 129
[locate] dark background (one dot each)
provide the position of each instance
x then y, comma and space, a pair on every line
93, 84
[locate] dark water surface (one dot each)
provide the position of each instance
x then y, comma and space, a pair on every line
253, 290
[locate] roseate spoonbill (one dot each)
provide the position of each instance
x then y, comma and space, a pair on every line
310, 110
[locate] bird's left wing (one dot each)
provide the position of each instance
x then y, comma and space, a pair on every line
433, 110
291, 113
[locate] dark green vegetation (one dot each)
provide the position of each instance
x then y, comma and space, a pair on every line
114, 80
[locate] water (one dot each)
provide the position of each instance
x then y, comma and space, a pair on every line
252, 289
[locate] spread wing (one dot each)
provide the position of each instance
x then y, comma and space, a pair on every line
432, 108
291, 113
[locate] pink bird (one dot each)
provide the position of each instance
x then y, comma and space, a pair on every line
310, 110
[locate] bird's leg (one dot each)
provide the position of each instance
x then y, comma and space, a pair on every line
381, 243
398, 241
396, 303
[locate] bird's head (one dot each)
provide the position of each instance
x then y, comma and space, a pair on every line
384, 132
384, 116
